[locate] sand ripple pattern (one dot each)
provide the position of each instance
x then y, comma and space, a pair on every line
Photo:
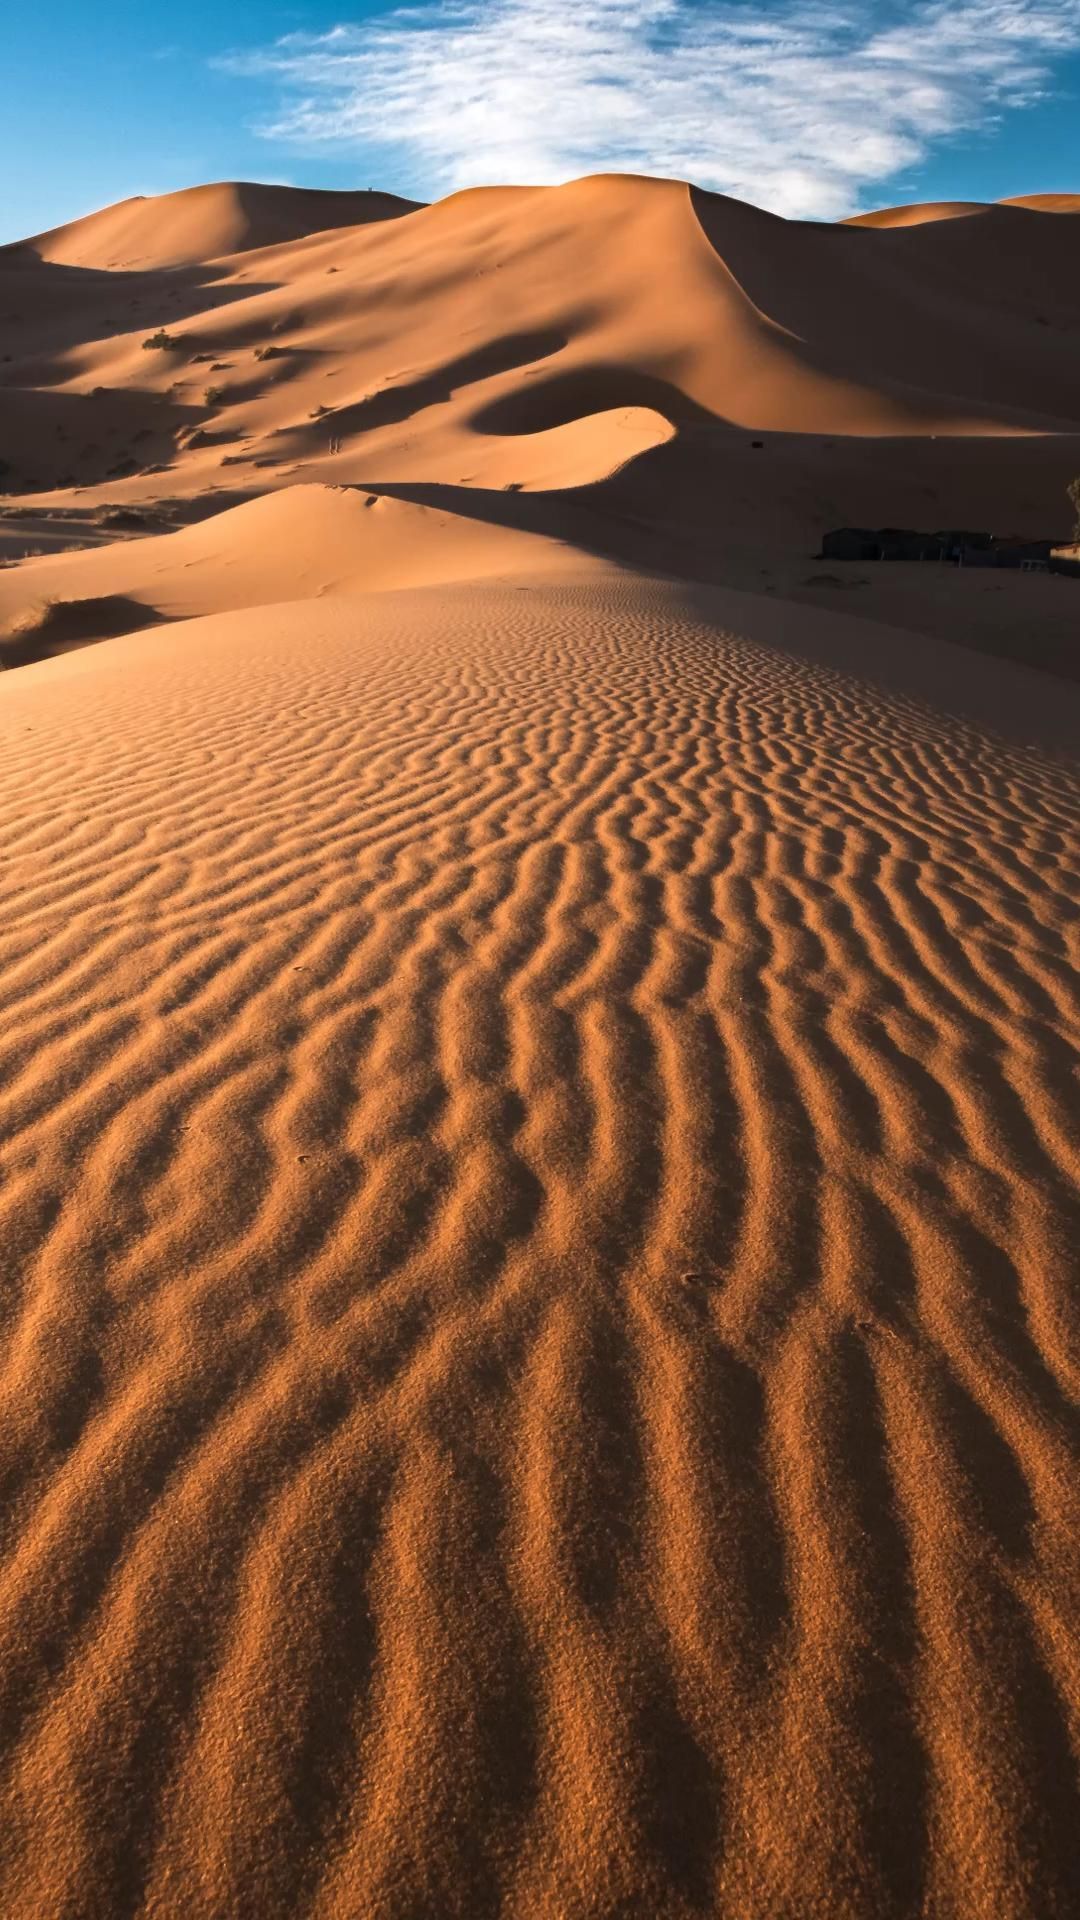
539, 1376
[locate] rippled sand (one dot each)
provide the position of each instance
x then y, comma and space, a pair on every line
539, 1374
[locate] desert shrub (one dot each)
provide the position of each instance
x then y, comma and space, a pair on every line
1073, 491
52, 625
214, 395
124, 519
161, 341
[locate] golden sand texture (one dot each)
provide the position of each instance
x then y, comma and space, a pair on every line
539, 1374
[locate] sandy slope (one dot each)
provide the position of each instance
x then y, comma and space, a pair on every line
537, 1102
202, 223
540, 1375
299, 544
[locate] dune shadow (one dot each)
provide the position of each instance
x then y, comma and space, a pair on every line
565, 397
77, 305
389, 406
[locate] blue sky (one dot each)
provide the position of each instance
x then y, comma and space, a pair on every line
813, 110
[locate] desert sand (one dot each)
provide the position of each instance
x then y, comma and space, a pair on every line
538, 1117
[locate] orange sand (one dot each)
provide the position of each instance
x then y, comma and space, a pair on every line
537, 1095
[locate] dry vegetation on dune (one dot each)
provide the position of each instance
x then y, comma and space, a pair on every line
538, 1136
49, 627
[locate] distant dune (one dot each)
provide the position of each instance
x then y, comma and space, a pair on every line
929, 210
538, 1118
203, 223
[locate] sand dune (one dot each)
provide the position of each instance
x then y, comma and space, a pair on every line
446, 343
922, 212
202, 223
907, 299
917, 214
1046, 202
537, 1066
677, 379
296, 545
540, 1374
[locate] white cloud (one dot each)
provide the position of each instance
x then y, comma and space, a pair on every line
794, 107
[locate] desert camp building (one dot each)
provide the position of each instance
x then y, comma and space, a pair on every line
960, 546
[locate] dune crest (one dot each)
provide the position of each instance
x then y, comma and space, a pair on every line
917, 214
921, 213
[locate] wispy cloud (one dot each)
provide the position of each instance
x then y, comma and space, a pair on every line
797, 108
